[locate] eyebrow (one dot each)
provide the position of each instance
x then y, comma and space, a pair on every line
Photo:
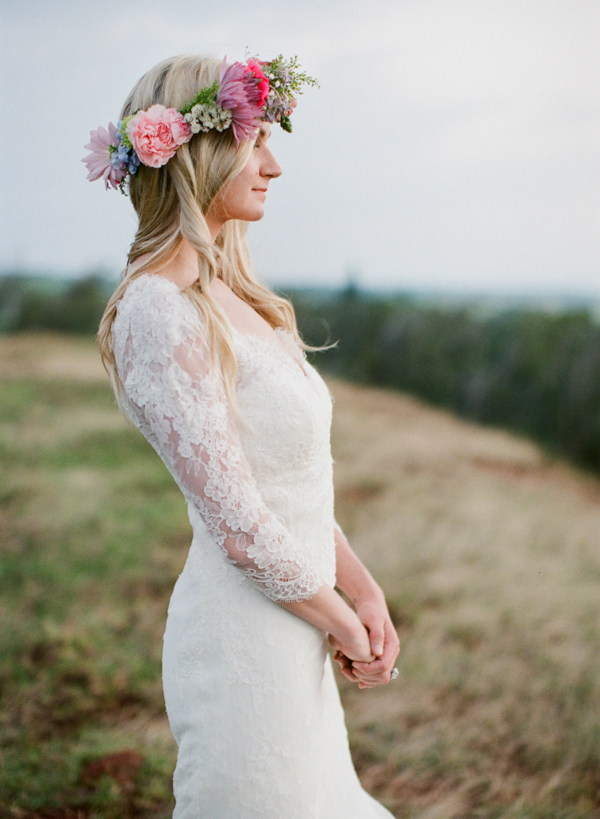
262, 133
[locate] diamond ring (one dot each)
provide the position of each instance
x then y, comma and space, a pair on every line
395, 673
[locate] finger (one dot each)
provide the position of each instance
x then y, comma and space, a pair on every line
345, 666
370, 678
377, 638
341, 658
377, 671
379, 680
373, 621
392, 646
376, 667
349, 675
348, 672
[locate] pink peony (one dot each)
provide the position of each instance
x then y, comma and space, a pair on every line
263, 83
179, 127
157, 133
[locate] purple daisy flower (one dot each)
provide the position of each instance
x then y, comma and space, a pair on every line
100, 161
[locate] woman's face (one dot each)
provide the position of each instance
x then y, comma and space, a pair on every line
244, 197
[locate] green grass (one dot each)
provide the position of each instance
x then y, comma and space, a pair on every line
93, 533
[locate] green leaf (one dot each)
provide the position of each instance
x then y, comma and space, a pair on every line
124, 135
206, 96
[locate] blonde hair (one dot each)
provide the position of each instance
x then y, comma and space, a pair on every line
171, 203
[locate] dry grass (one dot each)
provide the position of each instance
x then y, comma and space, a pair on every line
489, 556
48, 355
488, 553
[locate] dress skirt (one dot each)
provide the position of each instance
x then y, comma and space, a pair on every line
253, 704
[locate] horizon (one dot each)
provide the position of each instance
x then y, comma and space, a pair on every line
545, 299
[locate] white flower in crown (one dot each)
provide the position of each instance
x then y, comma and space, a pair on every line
203, 117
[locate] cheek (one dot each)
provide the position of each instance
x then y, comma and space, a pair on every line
239, 191
239, 201
236, 195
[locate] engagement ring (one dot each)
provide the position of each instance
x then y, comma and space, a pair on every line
395, 673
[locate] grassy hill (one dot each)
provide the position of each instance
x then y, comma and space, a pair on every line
487, 550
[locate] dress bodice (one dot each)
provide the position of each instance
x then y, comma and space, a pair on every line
259, 479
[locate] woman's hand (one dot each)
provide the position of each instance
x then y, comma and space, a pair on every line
384, 644
354, 647
354, 579
328, 611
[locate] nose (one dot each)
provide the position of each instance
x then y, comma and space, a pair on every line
270, 166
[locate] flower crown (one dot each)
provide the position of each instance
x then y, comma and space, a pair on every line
246, 94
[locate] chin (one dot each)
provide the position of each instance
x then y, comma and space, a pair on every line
254, 215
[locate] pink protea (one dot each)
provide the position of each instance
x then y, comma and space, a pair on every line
238, 93
157, 133
101, 162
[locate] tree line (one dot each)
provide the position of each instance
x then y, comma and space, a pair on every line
534, 372
528, 370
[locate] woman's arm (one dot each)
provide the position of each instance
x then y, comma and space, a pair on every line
328, 611
178, 400
179, 403
355, 580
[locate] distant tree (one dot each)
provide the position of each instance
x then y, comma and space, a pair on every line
82, 305
530, 371
24, 305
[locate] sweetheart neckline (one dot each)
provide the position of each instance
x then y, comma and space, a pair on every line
272, 342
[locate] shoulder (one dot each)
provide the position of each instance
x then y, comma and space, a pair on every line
153, 307
150, 287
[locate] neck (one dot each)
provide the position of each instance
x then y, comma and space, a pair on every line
187, 258
214, 225
183, 269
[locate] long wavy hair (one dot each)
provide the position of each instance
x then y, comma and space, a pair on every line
171, 203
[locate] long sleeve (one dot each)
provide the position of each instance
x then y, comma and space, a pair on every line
179, 403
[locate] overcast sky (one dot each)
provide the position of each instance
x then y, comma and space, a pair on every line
453, 144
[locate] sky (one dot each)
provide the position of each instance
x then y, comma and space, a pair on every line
453, 145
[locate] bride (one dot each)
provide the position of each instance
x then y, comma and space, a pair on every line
208, 364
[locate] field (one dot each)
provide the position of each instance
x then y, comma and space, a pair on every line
487, 550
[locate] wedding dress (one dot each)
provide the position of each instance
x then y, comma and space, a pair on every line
249, 687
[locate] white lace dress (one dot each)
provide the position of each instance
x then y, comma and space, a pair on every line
249, 687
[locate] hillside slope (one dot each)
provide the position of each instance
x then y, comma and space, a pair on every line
488, 553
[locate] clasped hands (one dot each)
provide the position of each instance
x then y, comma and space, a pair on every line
380, 643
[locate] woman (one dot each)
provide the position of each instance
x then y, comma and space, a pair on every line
208, 364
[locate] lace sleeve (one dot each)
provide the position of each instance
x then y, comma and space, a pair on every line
181, 407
